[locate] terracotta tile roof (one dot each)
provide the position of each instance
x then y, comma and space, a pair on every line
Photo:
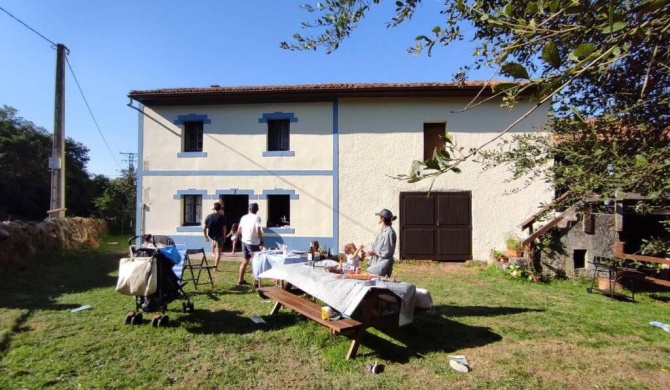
216, 93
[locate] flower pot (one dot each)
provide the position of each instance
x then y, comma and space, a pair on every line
514, 253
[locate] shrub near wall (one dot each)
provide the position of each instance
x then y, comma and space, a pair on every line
21, 242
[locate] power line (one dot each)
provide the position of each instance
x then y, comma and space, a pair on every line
91, 112
75, 80
30, 28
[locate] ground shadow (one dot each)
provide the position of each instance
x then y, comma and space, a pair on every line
481, 311
660, 298
216, 322
426, 335
434, 332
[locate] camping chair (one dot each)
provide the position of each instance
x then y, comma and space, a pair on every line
193, 264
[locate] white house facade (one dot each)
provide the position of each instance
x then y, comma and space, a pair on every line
319, 161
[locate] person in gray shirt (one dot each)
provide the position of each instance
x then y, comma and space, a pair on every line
383, 248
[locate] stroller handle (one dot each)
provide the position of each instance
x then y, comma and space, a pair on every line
162, 240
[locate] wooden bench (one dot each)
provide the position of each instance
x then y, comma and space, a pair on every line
312, 311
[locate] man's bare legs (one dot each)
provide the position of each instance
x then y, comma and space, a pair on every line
216, 249
242, 270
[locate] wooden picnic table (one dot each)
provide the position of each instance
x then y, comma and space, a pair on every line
368, 301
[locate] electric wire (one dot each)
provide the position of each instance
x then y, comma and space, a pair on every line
30, 28
54, 45
74, 76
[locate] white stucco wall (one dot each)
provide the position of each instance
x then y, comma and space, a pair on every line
234, 143
380, 138
236, 140
311, 214
377, 138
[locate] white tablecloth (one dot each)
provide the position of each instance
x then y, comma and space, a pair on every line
263, 261
344, 295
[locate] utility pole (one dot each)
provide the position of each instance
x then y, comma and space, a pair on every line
57, 160
130, 159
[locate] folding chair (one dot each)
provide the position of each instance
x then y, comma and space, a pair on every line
192, 264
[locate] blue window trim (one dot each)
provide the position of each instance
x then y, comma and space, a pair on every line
279, 191
279, 153
196, 228
277, 115
191, 191
235, 191
193, 118
279, 230
191, 154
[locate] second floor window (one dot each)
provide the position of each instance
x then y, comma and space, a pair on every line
278, 135
193, 136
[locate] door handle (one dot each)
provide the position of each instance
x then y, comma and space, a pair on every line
438, 223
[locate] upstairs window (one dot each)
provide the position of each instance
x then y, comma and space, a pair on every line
192, 210
432, 138
278, 135
193, 136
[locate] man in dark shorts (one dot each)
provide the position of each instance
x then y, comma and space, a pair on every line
250, 233
215, 228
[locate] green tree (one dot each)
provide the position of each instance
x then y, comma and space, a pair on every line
603, 65
117, 203
25, 179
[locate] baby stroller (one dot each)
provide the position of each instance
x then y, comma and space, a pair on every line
153, 275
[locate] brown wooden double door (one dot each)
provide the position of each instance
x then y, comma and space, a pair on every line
436, 226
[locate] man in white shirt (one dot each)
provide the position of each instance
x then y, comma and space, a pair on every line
250, 233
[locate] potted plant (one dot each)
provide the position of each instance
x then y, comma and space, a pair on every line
498, 256
514, 246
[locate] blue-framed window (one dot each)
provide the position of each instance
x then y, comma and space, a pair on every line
279, 211
193, 134
192, 206
279, 135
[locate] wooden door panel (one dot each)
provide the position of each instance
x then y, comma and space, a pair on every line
453, 209
454, 244
419, 210
419, 242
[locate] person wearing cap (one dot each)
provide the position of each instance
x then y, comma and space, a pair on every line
250, 233
383, 248
215, 228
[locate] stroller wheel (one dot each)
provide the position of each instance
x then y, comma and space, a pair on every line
164, 321
129, 317
184, 307
156, 321
191, 306
136, 319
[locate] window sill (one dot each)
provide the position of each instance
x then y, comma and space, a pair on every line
195, 228
191, 154
279, 153
279, 230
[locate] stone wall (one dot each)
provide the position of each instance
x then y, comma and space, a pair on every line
22, 242
572, 237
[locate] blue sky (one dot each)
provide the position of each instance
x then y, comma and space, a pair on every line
122, 45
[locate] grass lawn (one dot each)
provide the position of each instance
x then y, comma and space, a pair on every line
515, 334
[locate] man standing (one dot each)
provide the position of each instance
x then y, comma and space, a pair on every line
250, 234
215, 228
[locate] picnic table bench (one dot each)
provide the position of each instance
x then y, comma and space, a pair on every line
312, 311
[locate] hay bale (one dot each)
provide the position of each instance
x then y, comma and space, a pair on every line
24, 242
